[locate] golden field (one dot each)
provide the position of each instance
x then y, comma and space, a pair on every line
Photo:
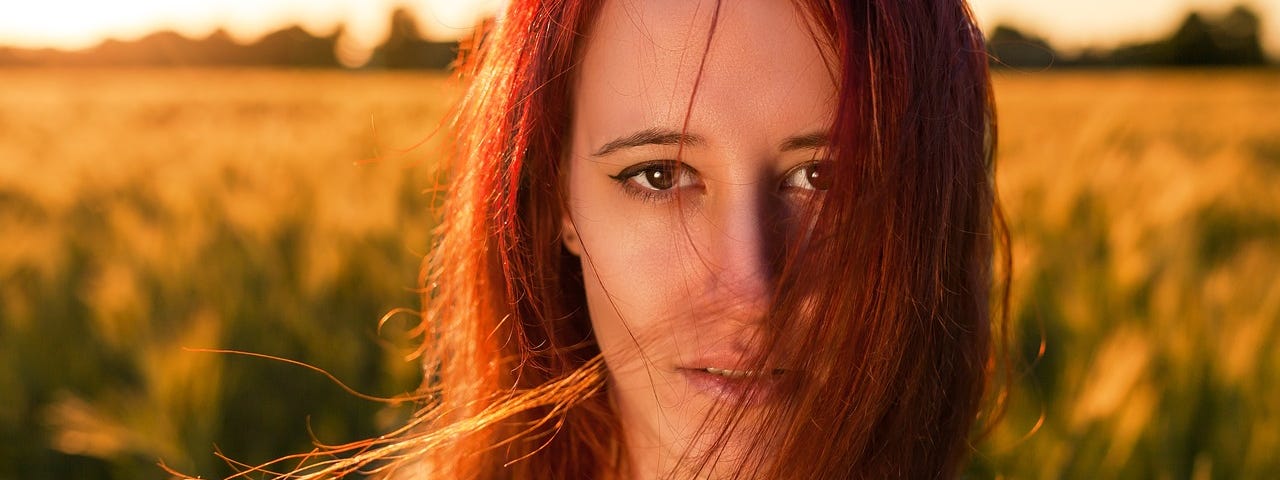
144, 214
1145, 211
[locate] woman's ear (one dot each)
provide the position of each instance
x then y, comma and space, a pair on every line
569, 236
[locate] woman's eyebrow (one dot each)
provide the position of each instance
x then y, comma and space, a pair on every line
649, 136
812, 140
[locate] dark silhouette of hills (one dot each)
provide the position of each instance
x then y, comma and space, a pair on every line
1200, 40
288, 47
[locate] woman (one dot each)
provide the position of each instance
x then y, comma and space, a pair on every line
716, 239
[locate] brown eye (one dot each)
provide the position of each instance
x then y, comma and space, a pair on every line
808, 176
657, 176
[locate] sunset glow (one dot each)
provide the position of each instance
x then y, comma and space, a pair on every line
72, 24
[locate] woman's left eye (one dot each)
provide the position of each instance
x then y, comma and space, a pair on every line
808, 176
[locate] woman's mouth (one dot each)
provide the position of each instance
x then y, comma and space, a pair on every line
733, 384
724, 372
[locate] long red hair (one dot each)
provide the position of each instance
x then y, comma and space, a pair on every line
899, 352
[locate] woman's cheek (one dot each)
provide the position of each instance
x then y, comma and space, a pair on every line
637, 280
640, 264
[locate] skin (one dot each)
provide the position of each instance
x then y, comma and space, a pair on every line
678, 278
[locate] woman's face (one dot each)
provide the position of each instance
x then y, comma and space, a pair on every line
679, 225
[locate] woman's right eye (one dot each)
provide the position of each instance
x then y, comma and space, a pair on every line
657, 176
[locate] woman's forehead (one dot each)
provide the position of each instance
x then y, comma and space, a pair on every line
763, 71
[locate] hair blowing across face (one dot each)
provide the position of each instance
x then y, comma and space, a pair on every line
896, 356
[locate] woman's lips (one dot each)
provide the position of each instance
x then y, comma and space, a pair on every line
733, 384
724, 372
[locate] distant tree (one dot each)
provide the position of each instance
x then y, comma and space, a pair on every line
1238, 38
220, 49
294, 46
1009, 47
1230, 40
1192, 44
164, 48
405, 47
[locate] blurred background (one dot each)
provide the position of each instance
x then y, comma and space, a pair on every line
259, 176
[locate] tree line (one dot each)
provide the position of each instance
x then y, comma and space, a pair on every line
405, 47
1201, 40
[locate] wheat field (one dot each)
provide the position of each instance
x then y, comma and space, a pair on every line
147, 214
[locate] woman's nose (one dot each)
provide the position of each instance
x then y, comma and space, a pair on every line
746, 244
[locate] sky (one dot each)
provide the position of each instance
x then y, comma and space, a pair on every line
1068, 24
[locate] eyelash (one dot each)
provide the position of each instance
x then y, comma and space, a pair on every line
626, 178
678, 170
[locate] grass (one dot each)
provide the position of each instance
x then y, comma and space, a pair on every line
1145, 214
147, 211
